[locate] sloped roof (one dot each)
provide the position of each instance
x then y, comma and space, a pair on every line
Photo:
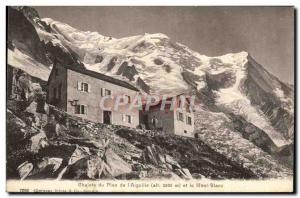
100, 76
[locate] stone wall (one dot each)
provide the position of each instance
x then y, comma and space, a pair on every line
93, 97
58, 77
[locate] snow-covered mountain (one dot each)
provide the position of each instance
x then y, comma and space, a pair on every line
234, 84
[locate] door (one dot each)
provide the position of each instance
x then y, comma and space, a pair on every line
107, 117
145, 121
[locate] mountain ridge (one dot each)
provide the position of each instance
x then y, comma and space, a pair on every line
234, 84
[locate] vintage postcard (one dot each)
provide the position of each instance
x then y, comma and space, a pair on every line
150, 99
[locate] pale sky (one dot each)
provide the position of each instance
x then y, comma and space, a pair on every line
267, 33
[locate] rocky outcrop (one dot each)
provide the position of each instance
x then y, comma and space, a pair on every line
219, 81
30, 13
111, 63
254, 134
177, 153
99, 59
154, 155
259, 87
127, 71
191, 78
64, 56
22, 34
225, 139
142, 85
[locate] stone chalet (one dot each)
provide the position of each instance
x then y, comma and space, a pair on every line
177, 121
78, 91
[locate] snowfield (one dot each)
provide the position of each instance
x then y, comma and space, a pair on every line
159, 63
24, 62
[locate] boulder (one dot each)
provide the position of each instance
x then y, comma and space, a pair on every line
36, 87
187, 173
47, 168
24, 169
95, 167
169, 166
53, 161
149, 155
116, 164
154, 155
38, 141
17, 129
170, 160
197, 176
79, 153
155, 173
75, 171
184, 173
32, 108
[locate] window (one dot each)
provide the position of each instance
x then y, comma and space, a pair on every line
85, 87
80, 109
105, 92
129, 99
188, 120
127, 118
180, 116
185, 131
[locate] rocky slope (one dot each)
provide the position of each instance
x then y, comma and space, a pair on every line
252, 100
255, 155
80, 153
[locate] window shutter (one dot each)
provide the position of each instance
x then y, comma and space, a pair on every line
177, 114
78, 85
132, 119
89, 88
81, 109
129, 99
129, 119
85, 109
123, 118
102, 91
